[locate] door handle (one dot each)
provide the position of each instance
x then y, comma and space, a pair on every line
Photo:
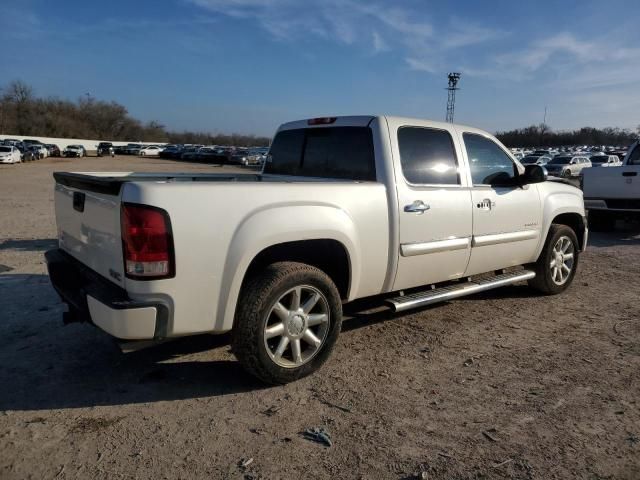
418, 207
486, 204
629, 174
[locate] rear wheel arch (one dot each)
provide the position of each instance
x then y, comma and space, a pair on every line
328, 255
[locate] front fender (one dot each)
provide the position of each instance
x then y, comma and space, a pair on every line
278, 224
565, 200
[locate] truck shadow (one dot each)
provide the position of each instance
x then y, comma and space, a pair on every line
29, 245
626, 233
362, 313
50, 366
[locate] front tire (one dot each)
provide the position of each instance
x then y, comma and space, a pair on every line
287, 322
557, 264
566, 173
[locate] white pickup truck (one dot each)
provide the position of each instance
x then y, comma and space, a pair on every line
344, 208
614, 192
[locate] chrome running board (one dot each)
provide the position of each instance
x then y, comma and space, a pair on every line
420, 299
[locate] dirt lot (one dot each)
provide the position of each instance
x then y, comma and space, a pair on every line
503, 385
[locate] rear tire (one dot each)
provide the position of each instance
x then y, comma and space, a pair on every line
287, 322
600, 221
557, 264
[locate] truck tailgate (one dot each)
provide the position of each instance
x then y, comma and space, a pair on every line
89, 229
612, 182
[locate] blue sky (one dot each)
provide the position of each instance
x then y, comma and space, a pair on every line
248, 65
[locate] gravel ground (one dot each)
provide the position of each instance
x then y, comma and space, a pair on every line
501, 385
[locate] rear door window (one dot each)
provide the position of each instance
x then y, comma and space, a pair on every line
333, 152
427, 156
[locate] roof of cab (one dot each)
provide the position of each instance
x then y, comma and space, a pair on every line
365, 120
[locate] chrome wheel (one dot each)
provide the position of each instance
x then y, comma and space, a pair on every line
562, 260
296, 326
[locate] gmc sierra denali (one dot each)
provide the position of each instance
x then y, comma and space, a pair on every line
344, 208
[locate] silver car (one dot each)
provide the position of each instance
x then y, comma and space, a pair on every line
567, 165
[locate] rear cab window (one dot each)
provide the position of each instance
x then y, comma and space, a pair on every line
327, 152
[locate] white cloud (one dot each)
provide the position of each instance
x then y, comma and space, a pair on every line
562, 60
421, 65
379, 45
540, 52
355, 22
463, 33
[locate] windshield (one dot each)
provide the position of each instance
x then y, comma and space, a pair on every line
560, 161
329, 152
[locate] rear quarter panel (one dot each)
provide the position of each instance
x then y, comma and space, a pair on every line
219, 228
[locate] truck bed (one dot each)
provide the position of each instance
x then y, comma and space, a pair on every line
109, 183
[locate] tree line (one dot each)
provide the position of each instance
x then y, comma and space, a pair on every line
25, 114
542, 135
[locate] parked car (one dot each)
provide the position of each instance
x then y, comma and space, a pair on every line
150, 150
620, 153
239, 156
38, 150
271, 257
535, 160
605, 161
170, 151
54, 150
205, 155
74, 151
256, 156
190, 152
105, 148
9, 154
26, 154
133, 148
567, 165
612, 193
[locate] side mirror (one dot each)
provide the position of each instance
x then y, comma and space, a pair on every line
534, 174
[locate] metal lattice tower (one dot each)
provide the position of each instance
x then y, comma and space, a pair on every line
451, 99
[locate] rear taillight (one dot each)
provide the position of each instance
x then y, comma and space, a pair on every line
147, 242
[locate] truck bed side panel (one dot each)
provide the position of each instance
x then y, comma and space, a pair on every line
214, 224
